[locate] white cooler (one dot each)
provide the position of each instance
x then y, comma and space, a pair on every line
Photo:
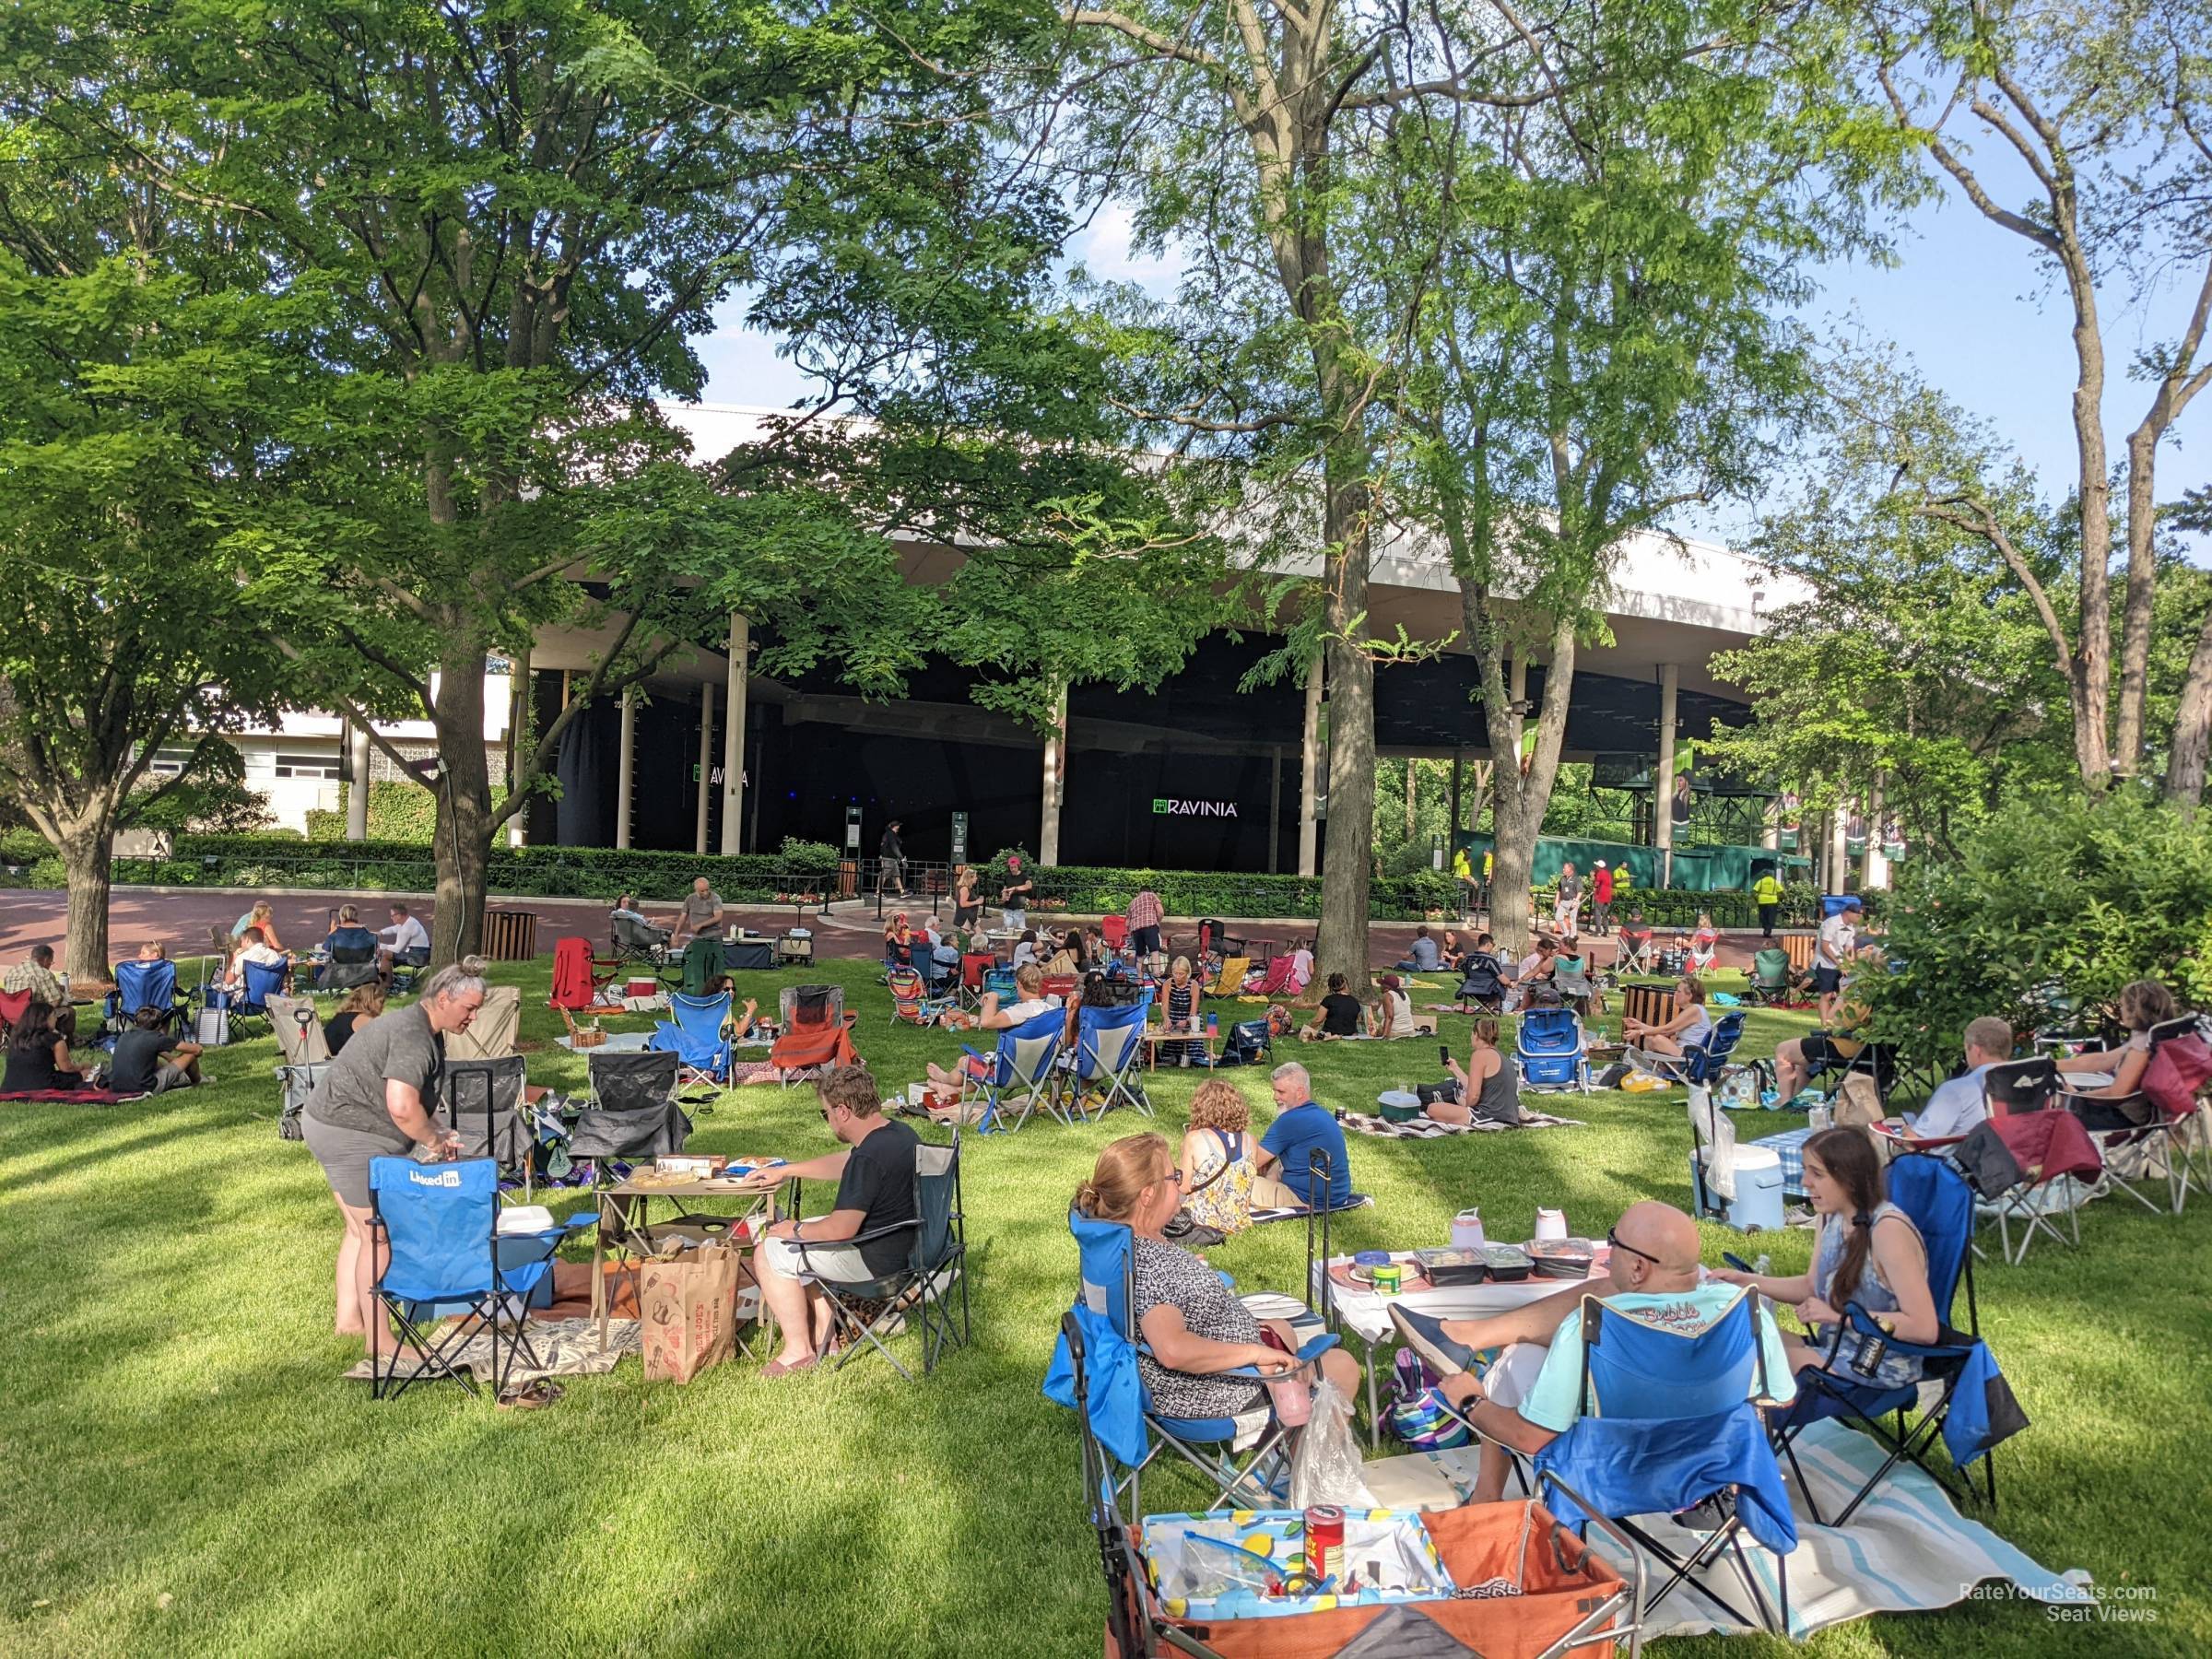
1757, 1201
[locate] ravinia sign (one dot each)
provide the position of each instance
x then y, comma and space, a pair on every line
1163, 807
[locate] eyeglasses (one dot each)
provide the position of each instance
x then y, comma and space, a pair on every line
1613, 1238
1175, 1176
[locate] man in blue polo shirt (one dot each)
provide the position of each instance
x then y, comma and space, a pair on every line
1300, 1130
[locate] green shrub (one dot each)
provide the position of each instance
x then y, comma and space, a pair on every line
1106, 889
2046, 913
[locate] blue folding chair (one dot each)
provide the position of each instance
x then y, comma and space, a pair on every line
447, 1257
1974, 1408
147, 985
1547, 1047
1670, 1424
698, 1033
1021, 1075
1699, 1064
261, 982
1107, 1253
1109, 1042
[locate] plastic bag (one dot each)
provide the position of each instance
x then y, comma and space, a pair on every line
1327, 1469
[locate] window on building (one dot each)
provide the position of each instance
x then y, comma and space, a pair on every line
307, 766
169, 762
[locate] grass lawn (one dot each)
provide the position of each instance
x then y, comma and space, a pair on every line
185, 1471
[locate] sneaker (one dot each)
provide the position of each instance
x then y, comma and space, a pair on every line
1424, 1334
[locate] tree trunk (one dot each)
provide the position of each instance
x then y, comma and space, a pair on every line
1513, 860
2193, 728
463, 845
2134, 622
1413, 772
86, 858
1344, 883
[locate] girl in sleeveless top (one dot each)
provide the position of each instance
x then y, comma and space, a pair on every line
1180, 1007
1218, 1170
1867, 1251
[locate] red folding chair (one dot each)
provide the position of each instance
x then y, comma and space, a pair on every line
1114, 930
2049, 1146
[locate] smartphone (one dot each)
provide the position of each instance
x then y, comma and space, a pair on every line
1737, 1263
1444, 1051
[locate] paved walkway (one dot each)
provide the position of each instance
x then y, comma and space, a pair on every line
180, 918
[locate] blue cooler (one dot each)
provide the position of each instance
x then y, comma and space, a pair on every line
1757, 1205
1831, 904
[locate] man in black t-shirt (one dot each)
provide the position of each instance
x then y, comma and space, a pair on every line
151, 1059
874, 1176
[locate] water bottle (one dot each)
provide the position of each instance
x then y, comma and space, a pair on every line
1551, 1225
1764, 1265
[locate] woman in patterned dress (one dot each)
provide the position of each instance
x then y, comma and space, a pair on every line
1217, 1159
1192, 1323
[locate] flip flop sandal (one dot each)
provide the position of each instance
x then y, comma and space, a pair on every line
776, 1369
531, 1396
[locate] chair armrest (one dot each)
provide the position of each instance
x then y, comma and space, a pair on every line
870, 1236
1318, 1346
1863, 1322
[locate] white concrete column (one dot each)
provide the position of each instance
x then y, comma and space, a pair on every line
628, 764
1309, 776
732, 735
357, 791
706, 760
1663, 780
1055, 782
1874, 867
1839, 847
1274, 808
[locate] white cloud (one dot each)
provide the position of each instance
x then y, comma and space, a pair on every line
1104, 249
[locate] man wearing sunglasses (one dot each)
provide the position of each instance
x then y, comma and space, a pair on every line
874, 1176
1531, 1394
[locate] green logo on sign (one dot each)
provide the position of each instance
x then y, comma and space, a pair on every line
1161, 809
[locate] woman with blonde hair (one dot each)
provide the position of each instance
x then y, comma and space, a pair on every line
1192, 1323
259, 916
362, 1004
1217, 1159
1178, 1008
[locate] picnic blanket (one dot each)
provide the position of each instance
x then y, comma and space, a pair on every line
75, 1097
1908, 1549
565, 1347
1422, 1128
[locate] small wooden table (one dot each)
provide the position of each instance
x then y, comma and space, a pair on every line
1155, 1035
629, 1205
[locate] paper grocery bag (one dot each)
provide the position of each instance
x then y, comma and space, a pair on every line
690, 1308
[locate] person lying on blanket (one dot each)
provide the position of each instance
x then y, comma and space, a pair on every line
1287, 1179
1487, 1086
944, 1086
1531, 1391
1191, 1322
1688, 1028
1865, 1249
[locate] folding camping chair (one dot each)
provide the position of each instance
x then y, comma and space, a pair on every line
1246, 1457
1229, 981
916, 1291
2048, 1145
1022, 1074
448, 1257
147, 985
14, 1005
2162, 1144
975, 969
814, 1033
1941, 1205
1108, 1044
481, 1100
1481, 984
698, 1033
1668, 1423
1281, 980
261, 982
491, 1034
912, 1002
632, 1113
1548, 1048
1701, 1064
1578, 990
641, 944
1773, 985
349, 965
578, 977
1114, 931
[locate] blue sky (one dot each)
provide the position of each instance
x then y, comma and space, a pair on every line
1963, 302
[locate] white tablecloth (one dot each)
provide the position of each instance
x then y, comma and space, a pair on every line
618, 1043
1367, 1316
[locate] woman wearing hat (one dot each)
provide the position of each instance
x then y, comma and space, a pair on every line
1391, 1014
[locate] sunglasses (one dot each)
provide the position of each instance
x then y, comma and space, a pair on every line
1613, 1238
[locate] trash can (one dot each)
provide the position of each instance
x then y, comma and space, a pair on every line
1756, 1206
510, 935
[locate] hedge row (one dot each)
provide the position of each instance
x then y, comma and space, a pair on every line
1105, 890
1731, 908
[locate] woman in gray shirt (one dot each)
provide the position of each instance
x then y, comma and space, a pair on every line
376, 1101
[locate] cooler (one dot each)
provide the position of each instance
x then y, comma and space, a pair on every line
1757, 1205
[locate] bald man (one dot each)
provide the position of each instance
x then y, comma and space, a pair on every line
1531, 1392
